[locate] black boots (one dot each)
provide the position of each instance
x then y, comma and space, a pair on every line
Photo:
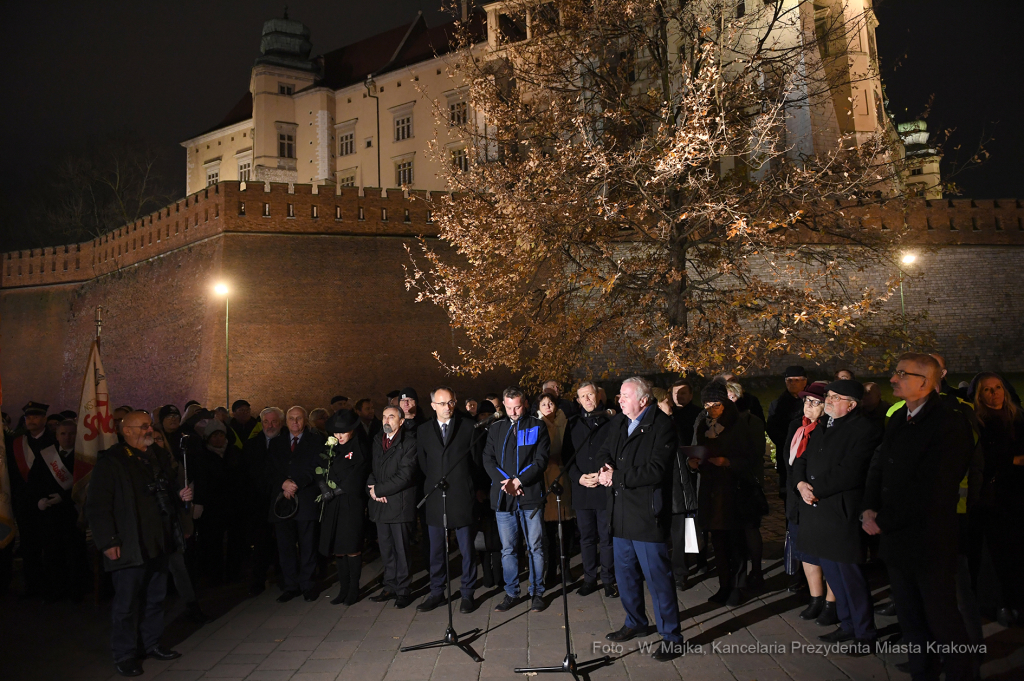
341, 564
813, 608
828, 616
355, 571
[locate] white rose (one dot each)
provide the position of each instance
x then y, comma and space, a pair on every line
331, 441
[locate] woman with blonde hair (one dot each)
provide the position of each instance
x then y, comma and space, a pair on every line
998, 513
555, 420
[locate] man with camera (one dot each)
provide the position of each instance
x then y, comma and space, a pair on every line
132, 508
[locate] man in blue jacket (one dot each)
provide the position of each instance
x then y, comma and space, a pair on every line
515, 458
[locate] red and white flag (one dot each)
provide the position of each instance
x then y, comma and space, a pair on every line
95, 423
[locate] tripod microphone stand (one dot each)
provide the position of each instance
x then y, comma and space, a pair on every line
569, 664
450, 637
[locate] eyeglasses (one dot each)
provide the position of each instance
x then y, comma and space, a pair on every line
901, 374
832, 397
812, 401
449, 403
145, 427
712, 405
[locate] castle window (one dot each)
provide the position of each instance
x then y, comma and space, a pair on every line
241, 207
266, 210
917, 171
458, 112
212, 175
286, 145
362, 213
403, 127
403, 172
347, 178
383, 214
347, 144
407, 216
245, 171
460, 159
315, 212
285, 89
291, 210
337, 212
430, 217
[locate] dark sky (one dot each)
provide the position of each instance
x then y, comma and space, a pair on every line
171, 70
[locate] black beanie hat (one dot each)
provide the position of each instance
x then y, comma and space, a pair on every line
715, 391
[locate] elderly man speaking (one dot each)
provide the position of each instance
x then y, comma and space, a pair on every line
635, 462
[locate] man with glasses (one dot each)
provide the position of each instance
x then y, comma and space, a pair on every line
132, 505
444, 449
910, 500
830, 480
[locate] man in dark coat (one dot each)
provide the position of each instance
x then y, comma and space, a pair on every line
255, 460
369, 425
830, 478
515, 457
291, 478
35, 492
132, 508
444, 449
636, 463
392, 485
584, 435
242, 423
684, 479
781, 412
910, 500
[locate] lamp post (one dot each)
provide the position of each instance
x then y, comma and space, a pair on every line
221, 289
907, 259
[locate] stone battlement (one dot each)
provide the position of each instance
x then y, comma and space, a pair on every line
284, 208
226, 207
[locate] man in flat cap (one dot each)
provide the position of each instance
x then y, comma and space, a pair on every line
41, 483
781, 412
830, 477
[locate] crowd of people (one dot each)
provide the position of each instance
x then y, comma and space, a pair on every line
653, 486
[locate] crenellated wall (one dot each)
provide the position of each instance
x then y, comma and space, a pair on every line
318, 304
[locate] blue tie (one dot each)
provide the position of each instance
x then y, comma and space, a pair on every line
444, 433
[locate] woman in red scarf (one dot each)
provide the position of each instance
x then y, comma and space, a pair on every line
821, 606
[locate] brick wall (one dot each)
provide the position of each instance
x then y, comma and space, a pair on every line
318, 304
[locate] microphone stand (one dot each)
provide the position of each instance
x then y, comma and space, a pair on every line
569, 664
450, 637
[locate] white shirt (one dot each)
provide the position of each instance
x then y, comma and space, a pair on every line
912, 414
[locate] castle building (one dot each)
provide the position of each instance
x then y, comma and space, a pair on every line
363, 115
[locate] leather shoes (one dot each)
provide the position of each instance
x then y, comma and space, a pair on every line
611, 591
311, 595
840, 635
625, 634
383, 596
828, 616
587, 588
468, 605
507, 603
403, 601
161, 653
736, 598
287, 595
887, 610
430, 602
130, 667
538, 604
667, 650
861, 647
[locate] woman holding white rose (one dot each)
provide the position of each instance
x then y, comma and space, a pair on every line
342, 473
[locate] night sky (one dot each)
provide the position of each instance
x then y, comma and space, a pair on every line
171, 70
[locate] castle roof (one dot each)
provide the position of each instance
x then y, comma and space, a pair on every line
385, 52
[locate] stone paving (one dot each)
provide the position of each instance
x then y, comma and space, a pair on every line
261, 639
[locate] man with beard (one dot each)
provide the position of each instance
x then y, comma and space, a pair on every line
257, 499
132, 507
392, 485
585, 434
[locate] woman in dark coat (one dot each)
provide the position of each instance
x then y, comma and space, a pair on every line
726, 482
823, 602
345, 466
830, 478
998, 514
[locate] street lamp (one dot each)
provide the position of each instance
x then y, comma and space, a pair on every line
221, 289
907, 259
